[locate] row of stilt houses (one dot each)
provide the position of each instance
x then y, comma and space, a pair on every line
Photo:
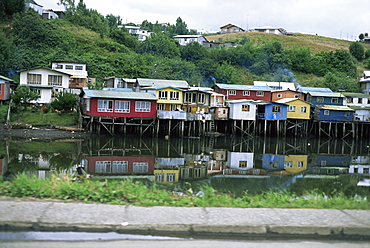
165, 108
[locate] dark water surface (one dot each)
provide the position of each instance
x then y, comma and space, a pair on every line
227, 164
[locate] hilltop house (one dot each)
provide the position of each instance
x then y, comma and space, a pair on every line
231, 28
187, 39
141, 34
365, 82
270, 30
6, 85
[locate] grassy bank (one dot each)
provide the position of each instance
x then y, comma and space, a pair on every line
138, 193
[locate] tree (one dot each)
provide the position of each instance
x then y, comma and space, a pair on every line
64, 101
6, 51
113, 21
23, 95
361, 37
160, 45
357, 50
11, 7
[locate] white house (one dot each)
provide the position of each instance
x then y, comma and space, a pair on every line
46, 81
137, 31
30, 4
240, 160
186, 39
276, 85
365, 82
78, 72
270, 30
115, 82
242, 109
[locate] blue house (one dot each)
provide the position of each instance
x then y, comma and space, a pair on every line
322, 98
272, 111
333, 113
272, 162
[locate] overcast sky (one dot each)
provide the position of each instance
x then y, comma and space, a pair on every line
344, 19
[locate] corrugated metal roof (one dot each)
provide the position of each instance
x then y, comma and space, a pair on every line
335, 107
315, 89
354, 94
118, 94
160, 83
324, 94
285, 100
242, 87
6, 79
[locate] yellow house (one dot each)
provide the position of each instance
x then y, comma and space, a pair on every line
295, 164
169, 98
166, 176
297, 108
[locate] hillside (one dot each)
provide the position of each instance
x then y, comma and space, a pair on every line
315, 43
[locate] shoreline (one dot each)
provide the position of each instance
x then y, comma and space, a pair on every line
42, 132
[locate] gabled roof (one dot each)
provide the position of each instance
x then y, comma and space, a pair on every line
334, 107
231, 25
167, 88
314, 89
324, 94
242, 101
6, 79
46, 68
118, 94
160, 83
242, 87
287, 100
286, 85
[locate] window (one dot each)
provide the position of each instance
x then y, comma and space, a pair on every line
246, 93
105, 106
276, 109
246, 108
162, 95
260, 93
142, 106
366, 171
33, 78
173, 107
159, 177
79, 67
160, 106
201, 98
347, 114
323, 163
188, 97
359, 100
288, 164
174, 95
300, 164
102, 166
279, 95
320, 99
232, 92
296, 96
171, 177
368, 101
69, 67
326, 112
273, 165
334, 100
120, 166
122, 106
59, 67
140, 167
303, 109
291, 108
349, 100
55, 80
242, 164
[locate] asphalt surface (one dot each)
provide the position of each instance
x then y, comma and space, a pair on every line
187, 222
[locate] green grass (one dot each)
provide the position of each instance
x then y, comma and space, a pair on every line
43, 119
129, 192
3, 111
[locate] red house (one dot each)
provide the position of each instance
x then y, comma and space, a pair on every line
245, 92
120, 165
6, 84
118, 103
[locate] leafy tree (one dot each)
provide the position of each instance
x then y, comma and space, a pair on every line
113, 21
357, 50
6, 52
64, 101
193, 52
339, 81
11, 7
298, 59
23, 95
367, 53
226, 73
121, 35
181, 27
361, 37
160, 45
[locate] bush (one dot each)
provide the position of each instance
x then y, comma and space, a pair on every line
64, 101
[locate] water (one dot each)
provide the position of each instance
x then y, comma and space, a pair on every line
227, 164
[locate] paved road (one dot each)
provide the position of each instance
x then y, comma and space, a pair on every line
38, 215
